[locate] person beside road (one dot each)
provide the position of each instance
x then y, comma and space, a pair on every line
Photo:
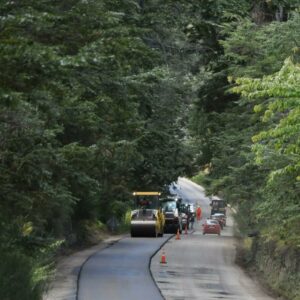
192, 220
199, 213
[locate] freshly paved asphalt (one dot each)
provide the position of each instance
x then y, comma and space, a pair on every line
121, 272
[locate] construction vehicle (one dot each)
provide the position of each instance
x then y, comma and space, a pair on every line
186, 213
147, 218
173, 217
218, 205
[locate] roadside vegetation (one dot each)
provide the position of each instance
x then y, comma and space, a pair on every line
249, 141
99, 98
90, 111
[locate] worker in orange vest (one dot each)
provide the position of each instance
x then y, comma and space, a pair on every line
198, 212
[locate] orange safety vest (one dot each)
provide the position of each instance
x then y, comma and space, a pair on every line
199, 212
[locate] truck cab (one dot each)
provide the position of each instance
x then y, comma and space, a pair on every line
218, 205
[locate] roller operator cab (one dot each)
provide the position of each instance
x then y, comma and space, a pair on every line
147, 218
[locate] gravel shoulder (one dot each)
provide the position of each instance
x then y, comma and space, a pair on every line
64, 284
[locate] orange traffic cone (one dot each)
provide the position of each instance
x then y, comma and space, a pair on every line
163, 259
185, 231
177, 235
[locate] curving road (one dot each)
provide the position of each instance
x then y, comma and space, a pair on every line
121, 272
198, 267
202, 267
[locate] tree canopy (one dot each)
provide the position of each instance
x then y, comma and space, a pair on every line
99, 98
90, 111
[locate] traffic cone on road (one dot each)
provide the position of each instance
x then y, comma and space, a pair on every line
185, 230
163, 258
177, 235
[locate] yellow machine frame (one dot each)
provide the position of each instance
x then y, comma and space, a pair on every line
141, 225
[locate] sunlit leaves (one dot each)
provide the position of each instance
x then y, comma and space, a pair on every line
278, 146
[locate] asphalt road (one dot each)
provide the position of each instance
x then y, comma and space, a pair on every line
202, 267
121, 272
198, 267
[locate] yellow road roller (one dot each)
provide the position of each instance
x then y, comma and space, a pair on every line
147, 218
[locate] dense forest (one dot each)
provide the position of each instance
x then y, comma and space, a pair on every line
102, 97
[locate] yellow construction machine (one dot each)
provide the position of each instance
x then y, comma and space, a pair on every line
147, 218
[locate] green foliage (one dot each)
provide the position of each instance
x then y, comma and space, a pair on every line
90, 232
95, 101
249, 146
254, 50
16, 271
277, 148
90, 110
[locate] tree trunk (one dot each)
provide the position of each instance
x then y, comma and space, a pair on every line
279, 14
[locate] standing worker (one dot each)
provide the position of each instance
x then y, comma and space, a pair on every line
199, 213
192, 220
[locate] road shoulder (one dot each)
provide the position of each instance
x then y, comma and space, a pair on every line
64, 284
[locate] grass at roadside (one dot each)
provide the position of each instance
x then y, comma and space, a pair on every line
275, 266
